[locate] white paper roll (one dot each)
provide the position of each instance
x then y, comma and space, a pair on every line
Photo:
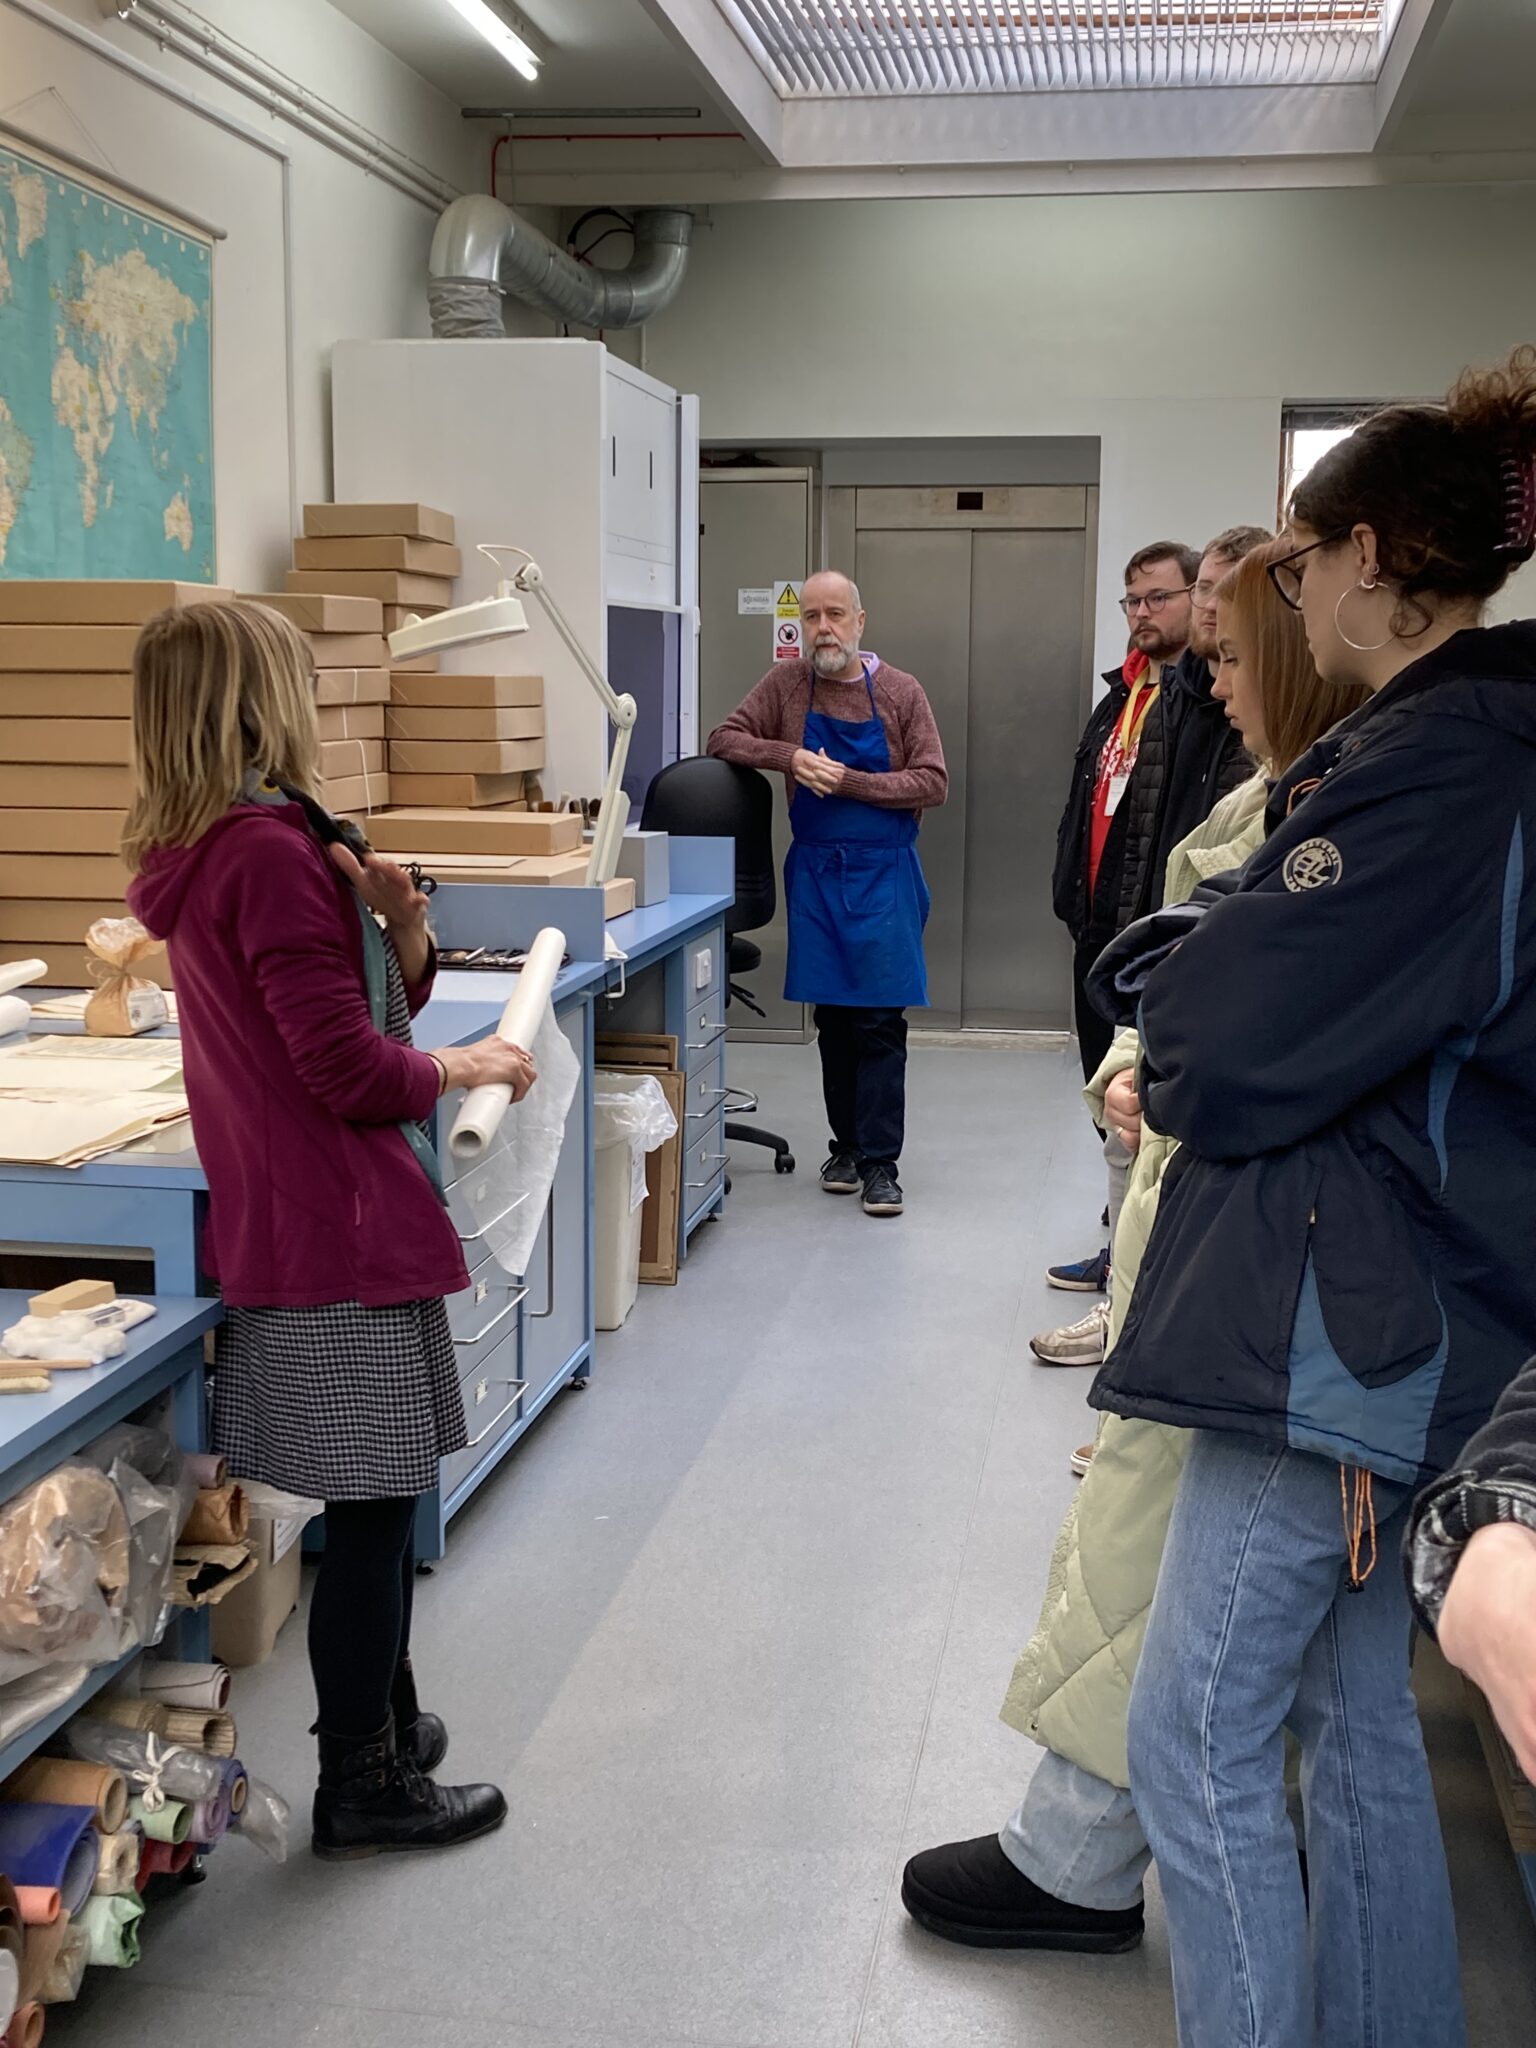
15, 1015
19, 972
477, 1122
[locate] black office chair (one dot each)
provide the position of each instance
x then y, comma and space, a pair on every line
716, 800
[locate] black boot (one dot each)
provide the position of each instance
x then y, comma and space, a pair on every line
971, 1893
417, 1735
371, 1799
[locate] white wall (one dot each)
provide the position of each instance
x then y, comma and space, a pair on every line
1173, 327
357, 247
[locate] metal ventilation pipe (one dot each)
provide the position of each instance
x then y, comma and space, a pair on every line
483, 252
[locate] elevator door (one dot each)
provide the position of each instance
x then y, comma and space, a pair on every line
982, 595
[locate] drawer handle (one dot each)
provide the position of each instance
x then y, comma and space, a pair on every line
476, 1235
695, 1186
704, 1044
499, 1317
540, 1315
517, 1387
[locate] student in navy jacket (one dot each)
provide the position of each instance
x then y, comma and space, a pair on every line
1340, 1282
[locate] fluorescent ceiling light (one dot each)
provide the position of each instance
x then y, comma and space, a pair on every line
517, 50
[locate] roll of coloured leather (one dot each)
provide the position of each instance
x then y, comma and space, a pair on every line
10, 1987
164, 1859
220, 1514
40, 1957
210, 1820
62, 1983
63, 1783
26, 2028
204, 1686
40, 1904
119, 1868
112, 1930
237, 1787
12, 1937
206, 1468
53, 1846
169, 1823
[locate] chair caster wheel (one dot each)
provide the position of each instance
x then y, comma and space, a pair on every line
727, 1183
783, 1162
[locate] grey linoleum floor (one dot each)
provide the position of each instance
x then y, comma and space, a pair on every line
732, 1627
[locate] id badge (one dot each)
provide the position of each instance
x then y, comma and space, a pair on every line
1117, 788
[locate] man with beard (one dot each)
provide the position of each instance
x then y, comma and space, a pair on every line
856, 742
1156, 754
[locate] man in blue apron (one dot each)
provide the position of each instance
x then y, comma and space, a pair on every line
860, 752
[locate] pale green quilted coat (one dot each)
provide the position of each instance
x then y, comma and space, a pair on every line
1072, 1684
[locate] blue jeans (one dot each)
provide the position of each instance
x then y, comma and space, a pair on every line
1254, 1626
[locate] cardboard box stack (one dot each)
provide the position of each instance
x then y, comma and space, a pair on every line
465, 741
351, 655
66, 701
401, 555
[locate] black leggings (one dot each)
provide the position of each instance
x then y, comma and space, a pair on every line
360, 1617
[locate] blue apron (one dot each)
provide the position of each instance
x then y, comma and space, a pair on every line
853, 885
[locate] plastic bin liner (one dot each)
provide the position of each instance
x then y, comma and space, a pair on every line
637, 1111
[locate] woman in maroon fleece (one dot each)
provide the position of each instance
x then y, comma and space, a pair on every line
327, 1230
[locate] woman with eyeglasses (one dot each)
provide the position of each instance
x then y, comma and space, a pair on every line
1340, 1281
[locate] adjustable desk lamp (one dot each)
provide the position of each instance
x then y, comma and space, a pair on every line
498, 617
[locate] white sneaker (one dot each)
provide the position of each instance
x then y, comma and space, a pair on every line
1079, 1343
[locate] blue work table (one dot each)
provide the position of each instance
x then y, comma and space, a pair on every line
164, 1357
518, 1340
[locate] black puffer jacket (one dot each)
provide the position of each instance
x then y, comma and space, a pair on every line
1189, 758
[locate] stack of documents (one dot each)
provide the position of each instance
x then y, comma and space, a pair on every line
66, 1100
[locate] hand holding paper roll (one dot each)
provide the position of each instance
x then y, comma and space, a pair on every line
487, 1102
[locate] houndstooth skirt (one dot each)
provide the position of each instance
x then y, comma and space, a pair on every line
340, 1402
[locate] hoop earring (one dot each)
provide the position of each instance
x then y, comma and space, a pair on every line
1359, 647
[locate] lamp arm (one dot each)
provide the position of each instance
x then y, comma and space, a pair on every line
531, 578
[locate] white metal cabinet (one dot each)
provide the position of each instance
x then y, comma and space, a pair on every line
640, 510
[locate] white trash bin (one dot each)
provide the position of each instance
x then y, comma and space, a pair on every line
632, 1118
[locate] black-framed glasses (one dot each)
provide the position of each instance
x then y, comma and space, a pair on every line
1286, 577
1153, 601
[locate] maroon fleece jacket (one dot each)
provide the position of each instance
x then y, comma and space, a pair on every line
314, 1194
765, 731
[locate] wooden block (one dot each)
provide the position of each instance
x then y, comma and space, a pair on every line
93, 740
349, 650
99, 649
482, 831
420, 522
63, 788
351, 722
618, 896
65, 696
51, 917
342, 758
473, 757
73, 1295
316, 611
467, 692
351, 793
378, 551
28, 831
466, 722
468, 791
56, 601
78, 966
391, 586
351, 686
86, 878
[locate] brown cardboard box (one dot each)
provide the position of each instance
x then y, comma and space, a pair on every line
349, 650
398, 615
468, 692
485, 831
475, 757
316, 611
456, 791
391, 586
340, 758
352, 686
420, 522
62, 696
55, 601
246, 1623
527, 870
418, 665
107, 740
351, 722
379, 551
51, 917
66, 789
87, 877
25, 831
647, 1053
348, 793
77, 966
464, 722
98, 648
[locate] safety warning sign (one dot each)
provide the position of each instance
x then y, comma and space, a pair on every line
787, 604
786, 640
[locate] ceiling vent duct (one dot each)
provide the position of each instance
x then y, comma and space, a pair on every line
483, 252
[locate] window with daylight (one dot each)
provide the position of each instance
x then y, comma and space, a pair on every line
1307, 432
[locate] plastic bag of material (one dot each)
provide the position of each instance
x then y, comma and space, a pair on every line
632, 1107
124, 1003
157, 1492
64, 1572
159, 1770
507, 1191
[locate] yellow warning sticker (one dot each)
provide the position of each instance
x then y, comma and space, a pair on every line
787, 604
